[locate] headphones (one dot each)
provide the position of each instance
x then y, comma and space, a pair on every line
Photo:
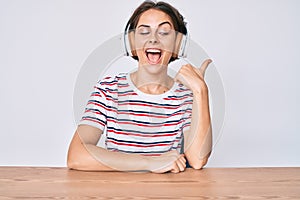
181, 46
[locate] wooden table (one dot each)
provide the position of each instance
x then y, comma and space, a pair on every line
211, 183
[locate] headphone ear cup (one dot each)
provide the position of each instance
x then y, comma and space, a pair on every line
129, 43
181, 43
132, 43
177, 45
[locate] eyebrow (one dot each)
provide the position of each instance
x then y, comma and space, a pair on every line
147, 26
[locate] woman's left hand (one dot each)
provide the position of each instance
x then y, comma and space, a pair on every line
192, 77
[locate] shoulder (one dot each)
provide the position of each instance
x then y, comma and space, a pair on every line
111, 80
111, 86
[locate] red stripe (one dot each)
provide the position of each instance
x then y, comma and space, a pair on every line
150, 105
182, 90
143, 115
96, 95
151, 115
110, 84
144, 125
143, 135
175, 98
92, 111
137, 145
98, 104
128, 94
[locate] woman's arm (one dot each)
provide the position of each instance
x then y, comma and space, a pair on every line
85, 155
79, 157
198, 143
198, 140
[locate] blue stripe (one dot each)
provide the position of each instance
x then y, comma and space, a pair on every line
141, 143
180, 96
95, 110
153, 113
149, 123
142, 152
94, 118
150, 103
99, 102
143, 132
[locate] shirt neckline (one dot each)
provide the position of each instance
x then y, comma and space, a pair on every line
171, 91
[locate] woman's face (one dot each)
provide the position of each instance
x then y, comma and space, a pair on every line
154, 38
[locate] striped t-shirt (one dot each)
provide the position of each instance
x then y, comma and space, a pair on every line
137, 122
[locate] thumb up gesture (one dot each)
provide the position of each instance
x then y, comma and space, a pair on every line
193, 77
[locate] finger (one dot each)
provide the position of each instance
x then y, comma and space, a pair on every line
183, 157
180, 165
204, 66
183, 70
183, 162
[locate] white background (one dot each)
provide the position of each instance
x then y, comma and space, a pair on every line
254, 44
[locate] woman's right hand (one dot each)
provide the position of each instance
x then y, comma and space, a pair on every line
171, 161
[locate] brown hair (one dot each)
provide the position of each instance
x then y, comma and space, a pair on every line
177, 19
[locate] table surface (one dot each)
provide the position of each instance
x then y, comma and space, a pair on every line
209, 183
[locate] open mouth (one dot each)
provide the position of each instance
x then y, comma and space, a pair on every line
153, 55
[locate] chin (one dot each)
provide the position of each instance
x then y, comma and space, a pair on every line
154, 68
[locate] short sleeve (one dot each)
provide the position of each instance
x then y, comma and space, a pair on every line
96, 109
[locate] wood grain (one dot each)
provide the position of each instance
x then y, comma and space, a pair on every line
217, 183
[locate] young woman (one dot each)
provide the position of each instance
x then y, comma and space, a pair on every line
152, 122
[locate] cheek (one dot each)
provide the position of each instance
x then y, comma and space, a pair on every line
139, 43
168, 44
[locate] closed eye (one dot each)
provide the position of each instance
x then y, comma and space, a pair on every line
144, 30
144, 33
163, 33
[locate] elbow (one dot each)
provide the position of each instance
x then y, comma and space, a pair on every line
73, 163
198, 164
76, 158
77, 163
80, 159
75, 166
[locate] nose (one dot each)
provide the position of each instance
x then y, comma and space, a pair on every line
153, 39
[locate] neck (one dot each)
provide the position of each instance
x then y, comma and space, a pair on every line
152, 83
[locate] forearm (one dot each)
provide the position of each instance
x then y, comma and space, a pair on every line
119, 161
89, 157
198, 140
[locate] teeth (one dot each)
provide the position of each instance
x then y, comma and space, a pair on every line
153, 51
